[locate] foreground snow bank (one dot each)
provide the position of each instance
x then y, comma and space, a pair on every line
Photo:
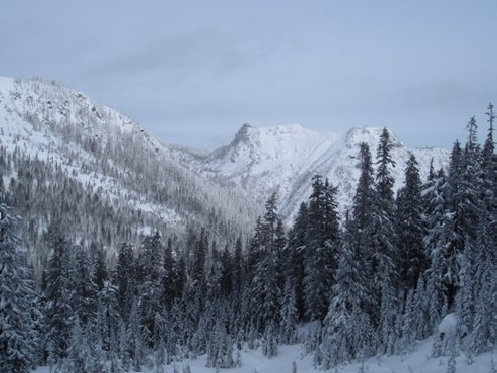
417, 362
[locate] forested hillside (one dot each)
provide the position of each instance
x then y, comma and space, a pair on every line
68, 160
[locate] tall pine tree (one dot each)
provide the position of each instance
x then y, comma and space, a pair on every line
321, 252
384, 248
17, 330
412, 259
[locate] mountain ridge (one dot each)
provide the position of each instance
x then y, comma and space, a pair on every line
96, 143
283, 159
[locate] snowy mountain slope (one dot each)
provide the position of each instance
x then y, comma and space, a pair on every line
110, 154
284, 159
31, 109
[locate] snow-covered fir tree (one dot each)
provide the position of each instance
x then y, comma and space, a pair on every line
18, 337
321, 250
384, 248
412, 259
58, 289
265, 290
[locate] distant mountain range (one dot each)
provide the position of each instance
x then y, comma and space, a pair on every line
169, 186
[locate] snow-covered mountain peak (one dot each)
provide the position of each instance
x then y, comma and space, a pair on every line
284, 143
243, 134
283, 159
264, 137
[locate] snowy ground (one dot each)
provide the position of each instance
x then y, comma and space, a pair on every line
417, 362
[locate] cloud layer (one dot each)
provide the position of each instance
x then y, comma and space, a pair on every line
194, 71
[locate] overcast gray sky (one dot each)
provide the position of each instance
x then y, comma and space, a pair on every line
193, 72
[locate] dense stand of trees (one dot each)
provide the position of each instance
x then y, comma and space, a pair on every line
375, 283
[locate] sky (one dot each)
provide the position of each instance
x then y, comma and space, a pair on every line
192, 72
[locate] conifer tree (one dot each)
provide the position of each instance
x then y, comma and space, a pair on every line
361, 226
151, 291
254, 252
438, 225
17, 330
484, 333
109, 316
289, 313
125, 279
195, 297
454, 245
78, 351
384, 248
226, 280
170, 277
84, 296
240, 285
238, 266
199, 260
295, 254
134, 337
364, 197
409, 228
100, 268
265, 292
58, 292
348, 331
468, 215
488, 156
321, 253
